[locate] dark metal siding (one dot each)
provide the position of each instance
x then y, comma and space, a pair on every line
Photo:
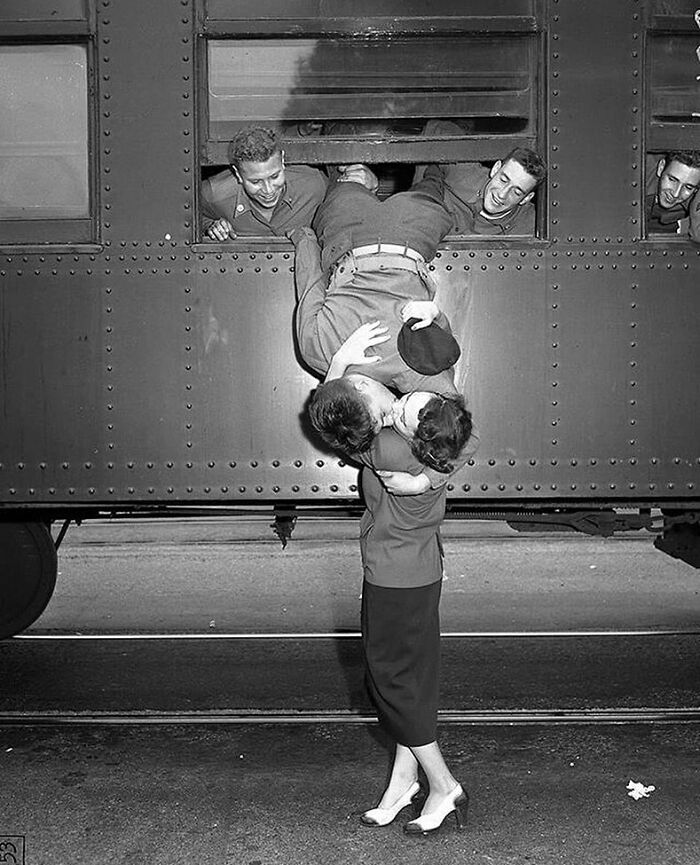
155, 371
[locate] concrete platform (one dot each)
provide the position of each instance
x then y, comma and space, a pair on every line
225, 575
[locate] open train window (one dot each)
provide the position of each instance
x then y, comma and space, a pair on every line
429, 85
672, 170
44, 176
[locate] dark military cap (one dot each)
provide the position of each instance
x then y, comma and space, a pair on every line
429, 350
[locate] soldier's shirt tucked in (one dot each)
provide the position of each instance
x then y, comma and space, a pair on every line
371, 287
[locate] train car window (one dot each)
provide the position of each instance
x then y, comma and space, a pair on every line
44, 174
398, 102
675, 88
336, 11
672, 170
311, 88
673, 7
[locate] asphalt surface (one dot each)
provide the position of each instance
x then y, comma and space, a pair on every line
248, 795
326, 675
263, 793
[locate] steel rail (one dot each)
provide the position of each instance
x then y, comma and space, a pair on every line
355, 635
510, 717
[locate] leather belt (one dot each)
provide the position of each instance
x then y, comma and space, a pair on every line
387, 248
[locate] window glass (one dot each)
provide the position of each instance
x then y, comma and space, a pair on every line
44, 132
673, 7
675, 88
361, 87
334, 9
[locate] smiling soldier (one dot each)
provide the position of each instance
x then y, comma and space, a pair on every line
491, 201
258, 194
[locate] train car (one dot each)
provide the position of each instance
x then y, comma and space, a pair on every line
147, 369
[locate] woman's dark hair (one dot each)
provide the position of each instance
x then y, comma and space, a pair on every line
444, 427
340, 416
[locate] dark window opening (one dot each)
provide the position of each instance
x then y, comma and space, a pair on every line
462, 99
672, 191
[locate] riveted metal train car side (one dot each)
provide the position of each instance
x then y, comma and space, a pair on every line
147, 369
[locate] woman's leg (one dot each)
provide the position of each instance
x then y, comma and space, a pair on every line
445, 795
404, 772
441, 781
400, 792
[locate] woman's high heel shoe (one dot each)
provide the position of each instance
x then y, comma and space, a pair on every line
456, 802
384, 816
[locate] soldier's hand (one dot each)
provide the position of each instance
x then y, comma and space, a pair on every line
352, 351
358, 173
424, 310
220, 230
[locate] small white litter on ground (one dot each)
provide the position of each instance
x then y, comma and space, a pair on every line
638, 790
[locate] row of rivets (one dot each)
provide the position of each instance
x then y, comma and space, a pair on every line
106, 95
314, 488
188, 379
134, 267
573, 487
295, 488
271, 257
633, 361
254, 464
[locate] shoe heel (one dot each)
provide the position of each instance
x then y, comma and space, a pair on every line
417, 803
461, 811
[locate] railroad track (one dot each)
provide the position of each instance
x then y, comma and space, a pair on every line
520, 677
510, 718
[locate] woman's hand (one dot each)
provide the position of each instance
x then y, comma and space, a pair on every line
425, 310
352, 351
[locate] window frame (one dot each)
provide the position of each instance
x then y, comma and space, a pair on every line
58, 232
663, 137
416, 150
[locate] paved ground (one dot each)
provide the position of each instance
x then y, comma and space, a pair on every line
262, 795
267, 794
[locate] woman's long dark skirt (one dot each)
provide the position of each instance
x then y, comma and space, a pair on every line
401, 639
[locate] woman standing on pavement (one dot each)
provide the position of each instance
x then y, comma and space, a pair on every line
402, 563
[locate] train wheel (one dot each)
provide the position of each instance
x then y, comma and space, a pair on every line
27, 575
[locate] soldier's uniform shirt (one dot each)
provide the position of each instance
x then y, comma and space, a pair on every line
224, 197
